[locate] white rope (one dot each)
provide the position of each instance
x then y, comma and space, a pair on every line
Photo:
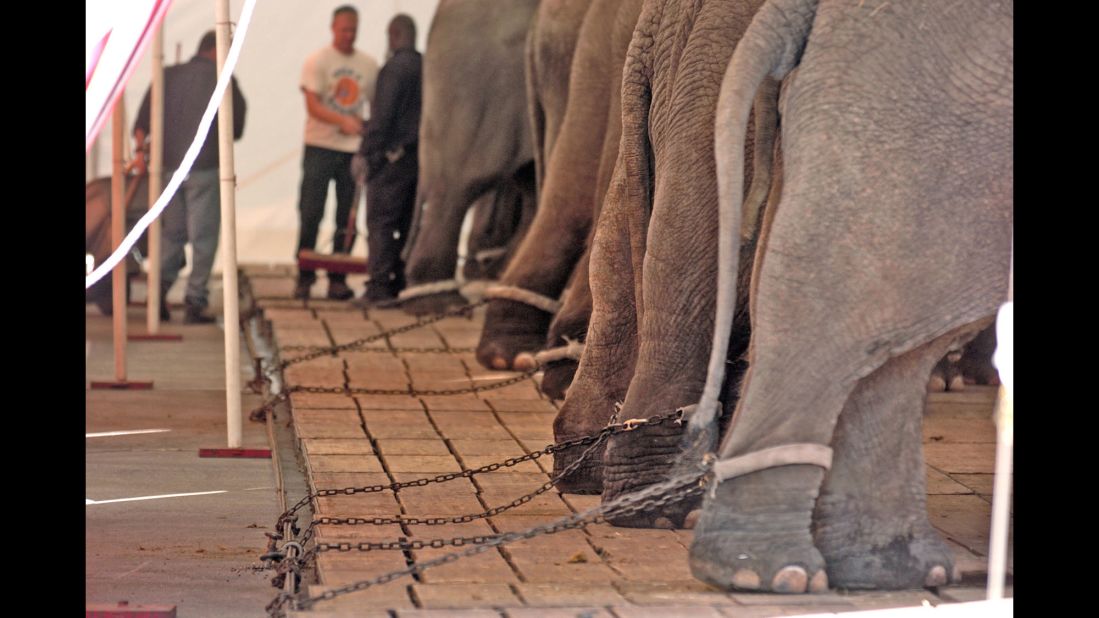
572, 350
189, 158
427, 289
519, 295
785, 455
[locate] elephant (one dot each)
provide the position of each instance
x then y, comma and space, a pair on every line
474, 134
648, 333
97, 231
891, 242
969, 364
576, 178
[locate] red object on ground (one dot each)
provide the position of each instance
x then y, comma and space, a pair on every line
156, 337
126, 386
124, 610
255, 453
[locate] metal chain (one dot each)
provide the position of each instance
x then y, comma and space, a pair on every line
326, 351
679, 488
379, 350
592, 440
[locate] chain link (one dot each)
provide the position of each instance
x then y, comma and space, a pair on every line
326, 351
681, 487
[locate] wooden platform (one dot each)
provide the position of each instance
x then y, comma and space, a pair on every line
599, 571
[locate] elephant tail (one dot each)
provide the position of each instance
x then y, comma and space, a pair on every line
771, 47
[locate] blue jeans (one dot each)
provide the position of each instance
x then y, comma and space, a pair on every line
194, 213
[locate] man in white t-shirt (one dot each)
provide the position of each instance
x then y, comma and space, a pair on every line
337, 80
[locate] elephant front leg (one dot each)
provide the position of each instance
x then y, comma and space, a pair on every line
871, 518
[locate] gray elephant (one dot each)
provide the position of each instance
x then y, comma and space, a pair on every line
577, 174
967, 364
474, 134
891, 242
654, 256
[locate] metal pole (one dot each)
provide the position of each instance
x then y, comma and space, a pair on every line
1005, 440
118, 230
228, 238
156, 181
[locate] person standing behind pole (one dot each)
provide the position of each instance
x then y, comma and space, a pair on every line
337, 80
195, 209
389, 148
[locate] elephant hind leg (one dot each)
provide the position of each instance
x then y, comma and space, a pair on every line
871, 519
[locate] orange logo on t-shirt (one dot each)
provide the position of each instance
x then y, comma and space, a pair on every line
347, 92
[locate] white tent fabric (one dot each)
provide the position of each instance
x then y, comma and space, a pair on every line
268, 157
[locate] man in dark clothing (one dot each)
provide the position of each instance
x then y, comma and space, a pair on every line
195, 211
389, 147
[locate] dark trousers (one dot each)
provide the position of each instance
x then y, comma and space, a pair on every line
391, 197
319, 167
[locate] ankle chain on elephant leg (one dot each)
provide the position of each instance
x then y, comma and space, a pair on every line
520, 295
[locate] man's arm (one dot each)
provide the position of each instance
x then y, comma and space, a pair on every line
383, 113
141, 132
346, 122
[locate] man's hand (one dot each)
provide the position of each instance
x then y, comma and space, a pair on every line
358, 168
350, 125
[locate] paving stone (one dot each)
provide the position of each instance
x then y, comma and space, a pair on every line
454, 403
768, 611
487, 567
578, 594
345, 463
271, 287
510, 482
939, 483
398, 446
427, 464
633, 611
479, 431
390, 318
979, 483
536, 570
477, 527
251, 272
436, 506
523, 390
295, 336
558, 612
288, 316
969, 594
300, 375
448, 613
457, 485
889, 599
687, 592
508, 406
827, 602
948, 430
968, 459
332, 533
305, 428
391, 595
389, 402
434, 363
545, 506
477, 461
965, 519
340, 480
337, 568
339, 318
373, 361
376, 504
322, 401
460, 595
336, 446
419, 338
498, 448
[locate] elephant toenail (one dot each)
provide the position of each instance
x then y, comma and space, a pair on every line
819, 583
524, 362
663, 523
498, 362
691, 520
935, 577
745, 579
790, 580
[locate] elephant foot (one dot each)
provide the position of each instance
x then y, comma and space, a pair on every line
586, 478
947, 374
868, 553
557, 378
433, 304
637, 459
753, 533
512, 333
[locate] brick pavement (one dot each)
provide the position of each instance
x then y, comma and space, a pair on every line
599, 571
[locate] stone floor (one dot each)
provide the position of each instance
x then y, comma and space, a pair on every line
351, 441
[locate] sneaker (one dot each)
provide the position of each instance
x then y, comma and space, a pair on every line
194, 315
301, 290
374, 297
338, 290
